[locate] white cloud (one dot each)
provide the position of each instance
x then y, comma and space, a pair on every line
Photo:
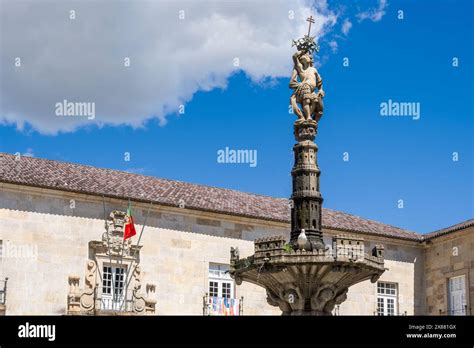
346, 26
135, 170
374, 15
81, 60
29, 153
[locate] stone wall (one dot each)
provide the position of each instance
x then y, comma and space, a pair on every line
404, 266
448, 256
53, 229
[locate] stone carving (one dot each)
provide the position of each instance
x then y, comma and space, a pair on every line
143, 303
139, 302
111, 251
234, 254
305, 79
339, 297
88, 295
348, 247
304, 277
307, 282
278, 301
85, 301
307, 207
378, 250
112, 238
306, 210
304, 89
150, 299
74, 295
270, 253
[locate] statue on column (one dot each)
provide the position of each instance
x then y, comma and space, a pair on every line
305, 79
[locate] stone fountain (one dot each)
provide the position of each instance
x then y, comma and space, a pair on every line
303, 276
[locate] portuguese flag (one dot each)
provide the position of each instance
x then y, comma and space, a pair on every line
129, 230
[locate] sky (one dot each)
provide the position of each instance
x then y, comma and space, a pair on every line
209, 75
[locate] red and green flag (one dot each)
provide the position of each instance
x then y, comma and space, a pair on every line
129, 230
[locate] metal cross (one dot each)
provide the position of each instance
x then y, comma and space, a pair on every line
310, 19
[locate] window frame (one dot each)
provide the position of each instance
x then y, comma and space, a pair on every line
114, 296
218, 274
462, 292
387, 295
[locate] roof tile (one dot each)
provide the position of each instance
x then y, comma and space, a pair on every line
113, 183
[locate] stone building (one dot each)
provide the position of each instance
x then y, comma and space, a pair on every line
59, 257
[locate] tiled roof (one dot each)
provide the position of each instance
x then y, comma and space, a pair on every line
447, 230
118, 184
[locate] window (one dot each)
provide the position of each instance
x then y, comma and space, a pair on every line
220, 282
387, 298
457, 295
213, 288
113, 294
226, 290
3, 285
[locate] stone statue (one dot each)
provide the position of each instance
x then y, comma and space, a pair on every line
234, 254
305, 79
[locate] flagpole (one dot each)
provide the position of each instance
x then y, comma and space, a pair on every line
143, 227
110, 255
121, 254
135, 251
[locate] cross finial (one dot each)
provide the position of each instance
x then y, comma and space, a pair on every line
310, 19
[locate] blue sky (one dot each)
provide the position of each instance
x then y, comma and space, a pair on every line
390, 158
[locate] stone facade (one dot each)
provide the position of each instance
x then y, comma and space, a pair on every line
178, 246
448, 256
46, 234
111, 251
